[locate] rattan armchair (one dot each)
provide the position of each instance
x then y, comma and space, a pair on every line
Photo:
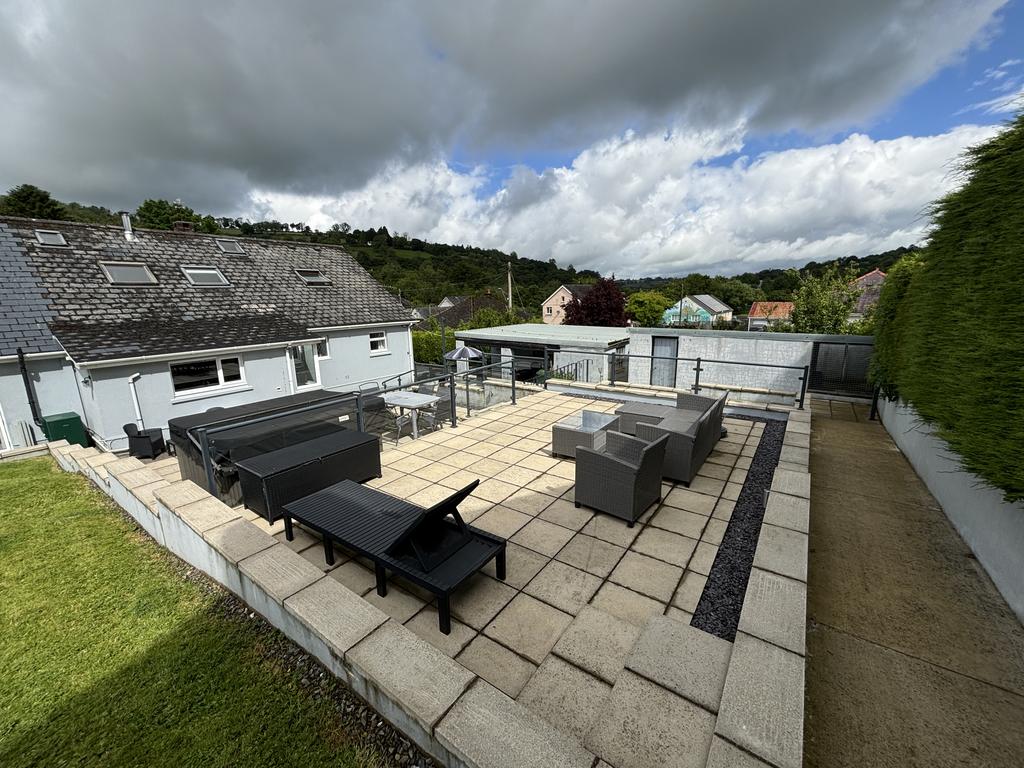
689, 443
623, 479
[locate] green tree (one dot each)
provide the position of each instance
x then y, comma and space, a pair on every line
646, 308
822, 304
489, 318
32, 202
161, 214
603, 305
889, 342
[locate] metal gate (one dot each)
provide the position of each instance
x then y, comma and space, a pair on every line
841, 368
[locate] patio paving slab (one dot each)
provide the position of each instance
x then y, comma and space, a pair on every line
502, 521
703, 558
563, 586
610, 529
793, 483
478, 601
203, 515
279, 571
665, 545
647, 576
238, 540
684, 659
338, 615
355, 576
691, 501
591, 555
486, 728
565, 696
626, 604
529, 502
775, 609
689, 592
564, 513
680, 521
646, 726
598, 642
763, 702
790, 512
542, 536
398, 604
529, 627
424, 624
496, 664
521, 565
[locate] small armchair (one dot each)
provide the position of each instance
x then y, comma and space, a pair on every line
623, 479
144, 443
689, 443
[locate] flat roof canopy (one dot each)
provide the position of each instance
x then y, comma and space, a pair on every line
593, 337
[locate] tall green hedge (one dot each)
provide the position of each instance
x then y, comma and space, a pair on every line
950, 331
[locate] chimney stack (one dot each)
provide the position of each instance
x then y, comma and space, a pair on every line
184, 226
126, 222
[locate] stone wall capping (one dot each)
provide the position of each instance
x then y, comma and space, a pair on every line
206, 513
782, 551
279, 572
180, 493
775, 610
763, 702
487, 729
238, 540
793, 483
406, 679
787, 511
336, 614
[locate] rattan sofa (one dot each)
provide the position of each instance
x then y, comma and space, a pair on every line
689, 442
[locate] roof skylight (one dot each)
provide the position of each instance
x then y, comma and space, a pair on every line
313, 277
229, 246
205, 276
50, 237
127, 273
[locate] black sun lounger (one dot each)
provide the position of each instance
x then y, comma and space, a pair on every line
431, 548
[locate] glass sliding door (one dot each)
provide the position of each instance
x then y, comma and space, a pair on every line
304, 364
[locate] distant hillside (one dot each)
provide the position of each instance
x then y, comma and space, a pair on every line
424, 273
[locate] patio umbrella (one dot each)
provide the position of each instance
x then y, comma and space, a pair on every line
464, 353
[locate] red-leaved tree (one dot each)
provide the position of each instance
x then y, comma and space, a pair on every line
603, 305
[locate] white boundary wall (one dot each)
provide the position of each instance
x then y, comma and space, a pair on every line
992, 528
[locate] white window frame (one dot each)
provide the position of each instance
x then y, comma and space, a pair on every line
112, 281
549, 310
315, 282
383, 350
221, 386
209, 268
220, 244
317, 357
39, 239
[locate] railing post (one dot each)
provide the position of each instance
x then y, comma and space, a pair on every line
468, 412
513, 387
803, 385
873, 415
611, 369
359, 411
547, 363
696, 378
451, 397
204, 446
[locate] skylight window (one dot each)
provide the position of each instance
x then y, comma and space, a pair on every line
312, 277
50, 237
229, 246
205, 276
127, 273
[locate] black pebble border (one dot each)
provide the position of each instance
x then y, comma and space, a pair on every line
718, 611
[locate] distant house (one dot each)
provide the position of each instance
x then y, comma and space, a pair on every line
700, 309
455, 315
870, 285
123, 326
764, 314
450, 301
553, 308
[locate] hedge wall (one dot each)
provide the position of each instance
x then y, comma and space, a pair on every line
950, 331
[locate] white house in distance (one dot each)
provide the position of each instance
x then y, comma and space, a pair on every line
552, 311
764, 314
702, 309
141, 326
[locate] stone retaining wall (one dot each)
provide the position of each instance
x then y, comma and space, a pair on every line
755, 685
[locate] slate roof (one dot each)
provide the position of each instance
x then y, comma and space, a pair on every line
870, 285
578, 290
64, 291
773, 310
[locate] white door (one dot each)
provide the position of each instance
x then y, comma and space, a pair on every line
5, 438
663, 372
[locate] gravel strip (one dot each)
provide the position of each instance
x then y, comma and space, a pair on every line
718, 611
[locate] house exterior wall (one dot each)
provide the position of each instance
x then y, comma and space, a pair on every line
54, 384
105, 399
692, 313
780, 349
553, 310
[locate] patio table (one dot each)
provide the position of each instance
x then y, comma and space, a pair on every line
412, 401
584, 429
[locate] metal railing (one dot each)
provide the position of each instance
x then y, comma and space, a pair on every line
578, 370
366, 419
698, 368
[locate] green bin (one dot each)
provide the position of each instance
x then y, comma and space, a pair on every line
66, 426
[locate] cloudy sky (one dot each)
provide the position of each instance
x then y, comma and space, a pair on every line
643, 137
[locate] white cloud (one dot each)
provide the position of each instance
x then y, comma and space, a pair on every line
651, 204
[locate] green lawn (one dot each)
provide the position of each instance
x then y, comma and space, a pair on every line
108, 656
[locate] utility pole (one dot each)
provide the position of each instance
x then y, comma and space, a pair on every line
510, 287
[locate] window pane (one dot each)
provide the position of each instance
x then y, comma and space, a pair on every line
378, 342
231, 369
230, 246
312, 277
47, 237
321, 349
128, 273
194, 375
205, 276
305, 367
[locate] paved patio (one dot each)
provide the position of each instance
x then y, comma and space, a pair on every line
580, 587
